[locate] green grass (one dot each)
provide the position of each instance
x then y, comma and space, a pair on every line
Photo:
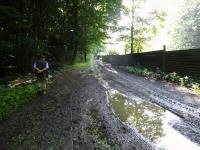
79, 64
12, 98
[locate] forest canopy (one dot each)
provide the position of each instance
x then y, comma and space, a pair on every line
60, 29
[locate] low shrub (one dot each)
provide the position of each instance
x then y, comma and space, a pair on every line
160, 75
19, 93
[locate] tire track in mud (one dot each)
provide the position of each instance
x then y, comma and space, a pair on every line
130, 135
67, 106
137, 88
125, 84
73, 111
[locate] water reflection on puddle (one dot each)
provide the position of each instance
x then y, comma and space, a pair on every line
152, 121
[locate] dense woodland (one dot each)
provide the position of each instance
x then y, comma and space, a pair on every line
61, 29
66, 30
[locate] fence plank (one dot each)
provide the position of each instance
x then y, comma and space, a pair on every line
184, 62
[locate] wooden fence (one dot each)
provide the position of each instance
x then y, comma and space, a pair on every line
183, 62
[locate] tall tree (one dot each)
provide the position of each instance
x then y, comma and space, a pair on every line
143, 27
62, 29
186, 33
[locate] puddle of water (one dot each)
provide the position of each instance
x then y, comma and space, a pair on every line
151, 120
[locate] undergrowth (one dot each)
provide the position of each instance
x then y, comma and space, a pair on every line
79, 64
159, 75
12, 98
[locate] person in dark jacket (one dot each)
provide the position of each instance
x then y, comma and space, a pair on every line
41, 66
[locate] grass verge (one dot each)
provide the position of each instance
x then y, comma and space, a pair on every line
13, 98
159, 75
79, 64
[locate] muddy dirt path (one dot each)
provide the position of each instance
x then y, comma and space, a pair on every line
102, 108
177, 107
73, 115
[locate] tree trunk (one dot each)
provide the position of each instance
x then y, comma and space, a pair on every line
85, 55
132, 20
75, 29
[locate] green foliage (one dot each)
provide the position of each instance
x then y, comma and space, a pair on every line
159, 75
136, 70
61, 29
186, 32
144, 27
13, 98
197, 88
79, 64
113, 52
138, 44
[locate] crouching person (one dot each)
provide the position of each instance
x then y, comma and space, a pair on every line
41, 67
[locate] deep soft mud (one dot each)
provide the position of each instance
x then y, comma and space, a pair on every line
103, 108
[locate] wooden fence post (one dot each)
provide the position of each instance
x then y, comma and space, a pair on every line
164, 58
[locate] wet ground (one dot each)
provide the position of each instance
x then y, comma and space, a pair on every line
163, 113
105, 108
152, 121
